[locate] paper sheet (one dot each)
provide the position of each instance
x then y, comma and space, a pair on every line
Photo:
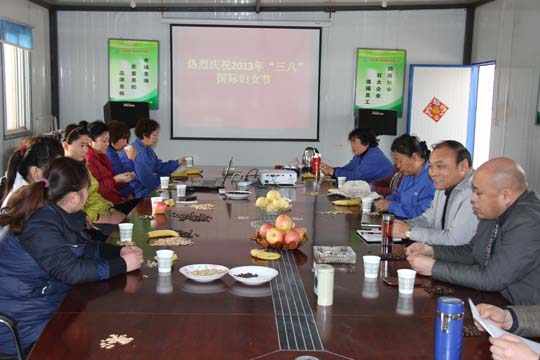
373, 235
495, 331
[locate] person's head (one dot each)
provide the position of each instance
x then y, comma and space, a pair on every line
66, 185
449, 163
119, 134
361, 140
497, 184
99, 136
76, 140
147, 131
30, 159
410, 154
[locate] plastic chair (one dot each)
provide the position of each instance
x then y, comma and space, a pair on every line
10, 323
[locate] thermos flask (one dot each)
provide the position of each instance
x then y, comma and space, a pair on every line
449, 328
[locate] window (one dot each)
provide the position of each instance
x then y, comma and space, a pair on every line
16, 41
16, 75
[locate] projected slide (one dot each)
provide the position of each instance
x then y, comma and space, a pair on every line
247, 83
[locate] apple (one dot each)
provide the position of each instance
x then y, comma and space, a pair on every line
159, 220
261, 202
273, 194
301, 231
274, 237
292, 236
284, 222
264, 229
160, 207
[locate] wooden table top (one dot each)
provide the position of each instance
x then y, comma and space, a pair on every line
171, 317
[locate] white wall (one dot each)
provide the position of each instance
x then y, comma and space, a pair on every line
30, 14
430, 36
507, 31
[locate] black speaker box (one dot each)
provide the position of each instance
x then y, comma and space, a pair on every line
128, 112
382, 122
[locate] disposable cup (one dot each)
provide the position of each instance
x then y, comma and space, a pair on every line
189, 161
406, 280
181, 190
126, 231
164, 259
371, 266
366, 204
164, 182
154, 200
341, 181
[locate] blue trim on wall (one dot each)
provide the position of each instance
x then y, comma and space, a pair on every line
473, 103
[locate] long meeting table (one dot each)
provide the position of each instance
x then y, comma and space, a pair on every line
171, 317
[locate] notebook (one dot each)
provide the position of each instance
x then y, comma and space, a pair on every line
210, 184
373, 236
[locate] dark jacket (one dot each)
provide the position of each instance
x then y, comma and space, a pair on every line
514, 265
38, 267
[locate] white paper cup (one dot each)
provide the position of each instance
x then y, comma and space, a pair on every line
164, 283
126, 231
370, 289
366, 204
181, 190
406, 280
164, 182
405, 305
154, 200
341, 181
164, 259
371, 266
189, 161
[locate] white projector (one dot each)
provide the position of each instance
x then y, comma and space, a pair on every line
277, 177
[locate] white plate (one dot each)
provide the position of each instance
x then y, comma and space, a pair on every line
188, 269
237, 194
264, 274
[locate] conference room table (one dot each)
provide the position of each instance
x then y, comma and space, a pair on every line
171, 317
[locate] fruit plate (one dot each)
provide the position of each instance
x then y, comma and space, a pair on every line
282, 246
271, 216
254, 275
204, 272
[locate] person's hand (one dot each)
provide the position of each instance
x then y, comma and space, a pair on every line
133, 260
400, 228
182, 161
134, 282
382, 204
130, 249
124, 177
500, 317
327, 169
131, 152
422, 264
419, 249
508, 347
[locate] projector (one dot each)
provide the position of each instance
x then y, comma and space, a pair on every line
277, 177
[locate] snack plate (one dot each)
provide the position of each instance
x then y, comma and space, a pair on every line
262, 274
188, 270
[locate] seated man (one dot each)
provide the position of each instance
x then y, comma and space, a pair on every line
504, 254
450, 219
369, 162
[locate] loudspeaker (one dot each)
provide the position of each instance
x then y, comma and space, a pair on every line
127, 112
382, 122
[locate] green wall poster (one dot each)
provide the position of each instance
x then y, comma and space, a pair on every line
380, 78
133, 71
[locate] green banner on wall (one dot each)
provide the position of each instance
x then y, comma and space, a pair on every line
133, 71
380, 75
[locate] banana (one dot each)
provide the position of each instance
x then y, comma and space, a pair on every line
170, 202
264, 255
193, 172
347, 202
162, 233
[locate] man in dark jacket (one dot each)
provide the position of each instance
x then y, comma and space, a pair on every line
504, 255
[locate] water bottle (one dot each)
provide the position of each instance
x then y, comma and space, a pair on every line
449, 328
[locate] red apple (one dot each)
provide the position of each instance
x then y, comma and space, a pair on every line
284, 222
159, 220
160, 207
291, 236
274, 237
301, 231
264, 229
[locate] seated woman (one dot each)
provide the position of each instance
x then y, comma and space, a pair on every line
119, 138
414, 194
369, 162
28, 161
101, 168
45, 251
148, 167
98, 209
